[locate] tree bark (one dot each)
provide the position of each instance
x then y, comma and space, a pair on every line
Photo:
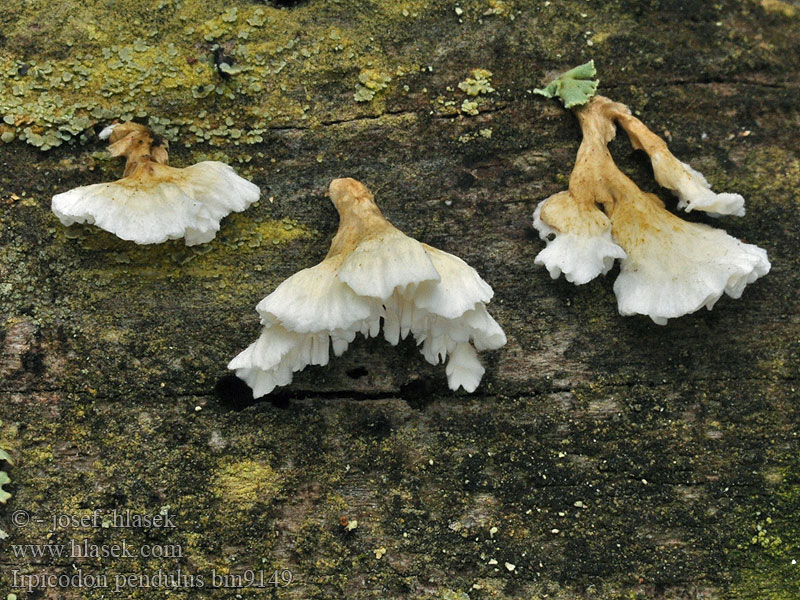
601, 457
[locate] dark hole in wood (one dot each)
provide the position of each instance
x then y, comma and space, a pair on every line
417, 393
357, 373
233, 393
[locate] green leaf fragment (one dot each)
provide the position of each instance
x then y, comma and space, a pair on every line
575, 87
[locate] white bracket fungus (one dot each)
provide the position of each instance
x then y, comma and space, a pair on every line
669, 267
153, 202
372, 273
692, 189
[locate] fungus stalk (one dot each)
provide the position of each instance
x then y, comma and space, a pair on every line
373, 274
154, 202
669, 267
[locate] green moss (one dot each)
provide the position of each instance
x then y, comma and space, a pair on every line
770, 558
240, 234
769, 172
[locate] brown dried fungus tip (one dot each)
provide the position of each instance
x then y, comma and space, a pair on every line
136, 143
154, 202
669, 267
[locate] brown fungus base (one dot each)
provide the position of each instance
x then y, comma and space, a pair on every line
616, 459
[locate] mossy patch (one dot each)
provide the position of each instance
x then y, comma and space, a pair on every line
160, 66
245, 483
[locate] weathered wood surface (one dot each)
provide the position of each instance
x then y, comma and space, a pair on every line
603, 457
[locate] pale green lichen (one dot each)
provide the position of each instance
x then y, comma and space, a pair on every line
370, 82
257, 19
230, 15
480, 82
112, 72
500, 8
144, 64
4, 479
229, 69
469, 107
573, 88
453, 595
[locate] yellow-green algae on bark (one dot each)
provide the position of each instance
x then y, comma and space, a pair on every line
72, 65
241, 484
